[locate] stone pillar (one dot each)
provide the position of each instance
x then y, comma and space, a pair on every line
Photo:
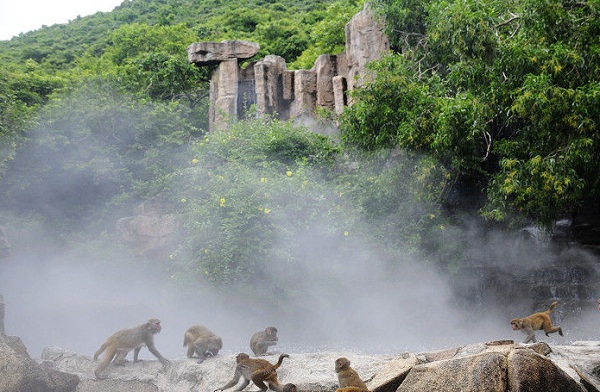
224, 87
325, 68
269, 78
365, 41
305, 93
340, 87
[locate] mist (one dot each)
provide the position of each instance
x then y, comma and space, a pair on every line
354, 301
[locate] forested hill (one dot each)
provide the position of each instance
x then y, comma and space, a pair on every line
282, 27
486, 112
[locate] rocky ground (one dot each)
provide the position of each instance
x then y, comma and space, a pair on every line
493, 366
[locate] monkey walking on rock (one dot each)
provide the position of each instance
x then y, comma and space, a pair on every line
260, 371
125, 340
537, 321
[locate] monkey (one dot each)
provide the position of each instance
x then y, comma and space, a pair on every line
260, 341
125, 340
537, 321
202, 341
258, 371
348, 378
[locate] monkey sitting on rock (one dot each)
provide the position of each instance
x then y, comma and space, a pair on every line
537, 321
125, 340
202, 341
260, 341
348, 378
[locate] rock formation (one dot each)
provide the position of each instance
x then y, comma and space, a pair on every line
494, 366
20, 373
284, 93
150, 229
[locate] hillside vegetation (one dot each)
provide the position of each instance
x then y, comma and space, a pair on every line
487, 111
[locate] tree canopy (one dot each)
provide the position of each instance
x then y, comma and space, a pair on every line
502, 92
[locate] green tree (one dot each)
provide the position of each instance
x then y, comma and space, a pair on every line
504, 93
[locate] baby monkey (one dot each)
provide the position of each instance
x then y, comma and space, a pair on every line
537, 321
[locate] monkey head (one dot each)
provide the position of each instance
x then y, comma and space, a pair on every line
241, 356
516, 324
341, 364
271, 333
290, 388
153, 325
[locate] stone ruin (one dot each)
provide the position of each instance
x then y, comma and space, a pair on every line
275, 90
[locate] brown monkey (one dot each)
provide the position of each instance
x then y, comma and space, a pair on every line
125, 340
258, 371
537, 321
202, 341
260, 341
348, 378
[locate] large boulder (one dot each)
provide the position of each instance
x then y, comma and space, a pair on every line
151, 229
481, 372
19, 373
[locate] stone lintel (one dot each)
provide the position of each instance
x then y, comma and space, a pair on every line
205, 53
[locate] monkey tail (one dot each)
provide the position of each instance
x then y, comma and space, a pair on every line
100, 351
280, 360
551, 307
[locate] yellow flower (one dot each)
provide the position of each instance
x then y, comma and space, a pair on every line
222, 202
442, 227
346, 234
194, 161
289, 173
263, 179
267, 210
183, 199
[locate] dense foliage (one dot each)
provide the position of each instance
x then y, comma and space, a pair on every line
493, 101
264, 197
503, 92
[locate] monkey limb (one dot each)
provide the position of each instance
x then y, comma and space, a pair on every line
537, 321
202, 341
348, 377
121, 342
260, 341
260, 371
